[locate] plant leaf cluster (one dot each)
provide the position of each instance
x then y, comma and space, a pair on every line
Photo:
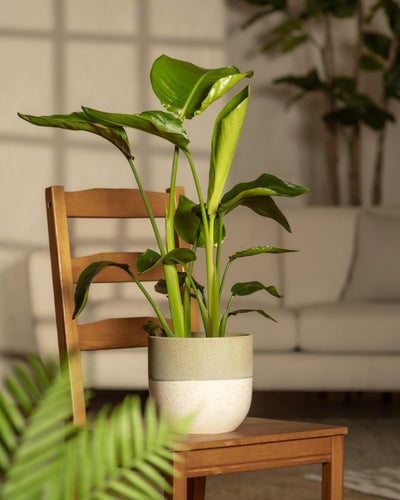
120, 454
379, 51
185, 91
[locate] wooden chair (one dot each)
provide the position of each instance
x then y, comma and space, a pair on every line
256, 444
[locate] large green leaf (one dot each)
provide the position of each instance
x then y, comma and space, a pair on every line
337, 8
80, 121
259, 311
188, 223
260, 203
161, 285
85, 280
378, 43
308, 82
271, 7
257, 251
151, 259
159, 123
187, 89
225, 136
370, 114
256, 195
370, 63
392, 81
250, 287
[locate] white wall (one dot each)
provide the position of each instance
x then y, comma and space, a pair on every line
59, 54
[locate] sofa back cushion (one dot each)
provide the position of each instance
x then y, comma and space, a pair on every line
245, 229
325, 239
376, 271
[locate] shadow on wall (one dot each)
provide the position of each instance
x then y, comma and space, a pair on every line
16, 324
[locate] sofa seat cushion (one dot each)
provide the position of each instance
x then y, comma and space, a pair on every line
350, 327
312, 371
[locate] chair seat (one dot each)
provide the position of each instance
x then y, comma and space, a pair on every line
261, 444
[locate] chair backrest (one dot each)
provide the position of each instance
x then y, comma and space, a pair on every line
112, 333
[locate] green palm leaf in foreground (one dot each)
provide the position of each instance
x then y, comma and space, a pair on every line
121, 454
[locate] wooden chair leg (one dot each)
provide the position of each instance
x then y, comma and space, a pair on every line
332, 472
196, 488
179, 481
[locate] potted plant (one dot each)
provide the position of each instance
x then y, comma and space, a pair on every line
119, 454
185, 91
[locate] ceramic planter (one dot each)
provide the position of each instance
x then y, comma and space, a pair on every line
208, 377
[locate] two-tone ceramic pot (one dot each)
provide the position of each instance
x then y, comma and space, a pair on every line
209, 377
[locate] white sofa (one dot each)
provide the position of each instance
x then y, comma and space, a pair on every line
338, 324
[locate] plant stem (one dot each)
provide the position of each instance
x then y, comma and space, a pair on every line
222, 328
170, 270
212, 280
171, 274
157, 310
148, 208
202, 307
208, 227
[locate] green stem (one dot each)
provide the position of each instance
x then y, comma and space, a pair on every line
228, 264
157, 310
202, 307
222, 327
171, 274
148, 208
170, 270
208, 226
219, 245
212, 280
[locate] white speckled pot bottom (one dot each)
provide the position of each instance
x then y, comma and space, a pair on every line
218, 405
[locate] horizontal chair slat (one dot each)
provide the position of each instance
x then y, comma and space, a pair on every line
114, 274
103, 202
114, 333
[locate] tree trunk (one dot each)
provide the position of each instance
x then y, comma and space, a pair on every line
378, 169
331, 129
355, 139
355, 166
331, 158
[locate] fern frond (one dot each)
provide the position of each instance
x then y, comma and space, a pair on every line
123, 454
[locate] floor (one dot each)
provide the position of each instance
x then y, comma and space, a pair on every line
302, 405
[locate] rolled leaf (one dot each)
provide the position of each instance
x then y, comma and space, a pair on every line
80, 121
250, 287
85, 280
186, 89
225, 136
159, 123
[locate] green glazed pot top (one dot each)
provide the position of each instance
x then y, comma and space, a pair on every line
201, 358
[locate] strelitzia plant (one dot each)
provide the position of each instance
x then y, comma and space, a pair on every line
185, 91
